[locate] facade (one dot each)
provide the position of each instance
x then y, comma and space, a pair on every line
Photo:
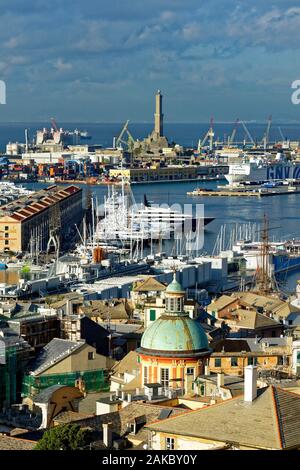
125, 373
81, 328
28, 220
14, 357
38, 330
231, 356
66, 362
155, 174
174, 347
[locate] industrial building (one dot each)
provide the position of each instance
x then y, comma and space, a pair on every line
28, 223
169, 173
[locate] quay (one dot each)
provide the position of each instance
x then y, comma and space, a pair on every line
244, 192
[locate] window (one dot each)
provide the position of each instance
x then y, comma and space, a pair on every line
6, 242
234, 362
145, 375
152, 315
91, 355
190, 371
172, 305
170, 443
252, 361
218, 362
6, 228
164, 377
280, 361
6, 235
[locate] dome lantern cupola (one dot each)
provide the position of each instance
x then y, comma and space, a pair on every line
174, 296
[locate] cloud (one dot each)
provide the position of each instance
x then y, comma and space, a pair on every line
130, 47
62, 66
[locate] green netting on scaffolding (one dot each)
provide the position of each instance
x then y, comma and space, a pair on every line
8, 386
94, 380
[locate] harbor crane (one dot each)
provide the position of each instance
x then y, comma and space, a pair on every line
247, 132
281, 134
232, 137
121, 139
209, 135
266, 136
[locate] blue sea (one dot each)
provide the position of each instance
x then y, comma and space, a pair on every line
186, 134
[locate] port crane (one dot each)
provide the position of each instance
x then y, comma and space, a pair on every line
129, 143
247, 132
231, 138
266, 136
281, 134
209, 135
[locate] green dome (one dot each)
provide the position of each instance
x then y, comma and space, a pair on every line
175, 287
175, 336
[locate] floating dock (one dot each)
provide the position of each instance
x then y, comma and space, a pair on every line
245, 192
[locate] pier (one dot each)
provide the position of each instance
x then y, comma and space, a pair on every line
245, 192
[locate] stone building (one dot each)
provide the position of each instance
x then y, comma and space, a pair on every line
29, 220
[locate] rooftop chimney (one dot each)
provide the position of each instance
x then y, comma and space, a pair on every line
250, 384
206, 370
220, 380
107, 434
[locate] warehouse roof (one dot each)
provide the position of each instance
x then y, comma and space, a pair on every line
27, 206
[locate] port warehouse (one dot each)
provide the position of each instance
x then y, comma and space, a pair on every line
168, 173
31, 217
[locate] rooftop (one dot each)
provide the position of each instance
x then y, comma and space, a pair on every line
271, 421
55, 351
29, 205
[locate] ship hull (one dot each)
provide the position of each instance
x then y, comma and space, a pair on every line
255, 174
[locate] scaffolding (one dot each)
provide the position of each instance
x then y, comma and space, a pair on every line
8, 377
94, 380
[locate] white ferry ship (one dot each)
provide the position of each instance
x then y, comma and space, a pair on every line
259, 170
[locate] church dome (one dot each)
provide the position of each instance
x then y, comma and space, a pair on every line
177, 336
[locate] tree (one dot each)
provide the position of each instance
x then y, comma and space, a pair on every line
64, 437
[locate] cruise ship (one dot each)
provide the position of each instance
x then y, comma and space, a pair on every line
260, 170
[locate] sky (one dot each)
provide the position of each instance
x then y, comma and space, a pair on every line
102, 61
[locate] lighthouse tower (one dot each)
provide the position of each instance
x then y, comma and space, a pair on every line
158, 116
